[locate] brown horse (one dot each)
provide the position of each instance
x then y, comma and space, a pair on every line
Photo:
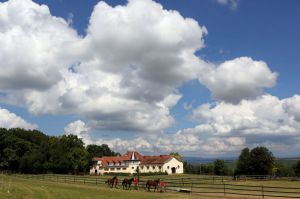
112, 182
127, 183
152, 183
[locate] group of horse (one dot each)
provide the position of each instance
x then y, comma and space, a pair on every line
127, 182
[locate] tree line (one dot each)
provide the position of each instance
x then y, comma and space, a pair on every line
258, 161
31, 151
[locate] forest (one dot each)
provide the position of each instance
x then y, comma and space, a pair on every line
31, 151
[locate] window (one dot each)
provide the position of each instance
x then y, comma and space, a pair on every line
112, 169
153, 167
142, 167
159, 167
148, 167
132, 167
178, 166
124, 168
168, 167
106, 169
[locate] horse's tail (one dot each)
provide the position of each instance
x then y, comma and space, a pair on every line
147, 185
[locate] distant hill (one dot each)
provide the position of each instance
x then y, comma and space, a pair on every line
231, 162
288, 161
200, 160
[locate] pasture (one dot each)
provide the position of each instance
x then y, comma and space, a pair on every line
67, 186
21, 188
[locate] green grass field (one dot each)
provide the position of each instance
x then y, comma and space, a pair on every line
63, 187
36, 189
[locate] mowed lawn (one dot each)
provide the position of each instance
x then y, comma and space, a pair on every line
21, 188
36, 189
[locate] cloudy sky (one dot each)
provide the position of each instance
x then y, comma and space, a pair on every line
204, 78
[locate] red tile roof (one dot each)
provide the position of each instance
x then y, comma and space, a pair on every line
145, 160
149, 160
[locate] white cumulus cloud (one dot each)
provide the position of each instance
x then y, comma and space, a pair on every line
34, 46
80, 129
123, 75
238, 79
11, 120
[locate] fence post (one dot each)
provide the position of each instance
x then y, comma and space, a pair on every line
182, 181
74, 179
224, 190
96, 181
213, 179
262, 192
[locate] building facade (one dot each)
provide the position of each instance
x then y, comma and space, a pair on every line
133, 160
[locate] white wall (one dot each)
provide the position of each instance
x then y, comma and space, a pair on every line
173, 162
131, 168
150, 168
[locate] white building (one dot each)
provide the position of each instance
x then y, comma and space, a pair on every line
129, 162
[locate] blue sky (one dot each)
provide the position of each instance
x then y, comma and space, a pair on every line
237, 84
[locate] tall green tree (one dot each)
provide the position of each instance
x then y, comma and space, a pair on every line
242, 167
177, 155
220, 167
261, 161
297, 168
100, 151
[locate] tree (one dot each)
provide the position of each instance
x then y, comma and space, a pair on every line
100, 151
33, 162
297, 169
31, 151
242, 167
220, 167
177, 156
283, 170
261, 161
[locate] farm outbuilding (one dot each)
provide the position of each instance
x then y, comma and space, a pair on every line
133, 160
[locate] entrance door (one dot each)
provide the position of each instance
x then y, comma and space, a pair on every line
173, 170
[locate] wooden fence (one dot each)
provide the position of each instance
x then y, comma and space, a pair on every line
209, 186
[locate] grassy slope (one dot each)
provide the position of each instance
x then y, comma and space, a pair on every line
35, 189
